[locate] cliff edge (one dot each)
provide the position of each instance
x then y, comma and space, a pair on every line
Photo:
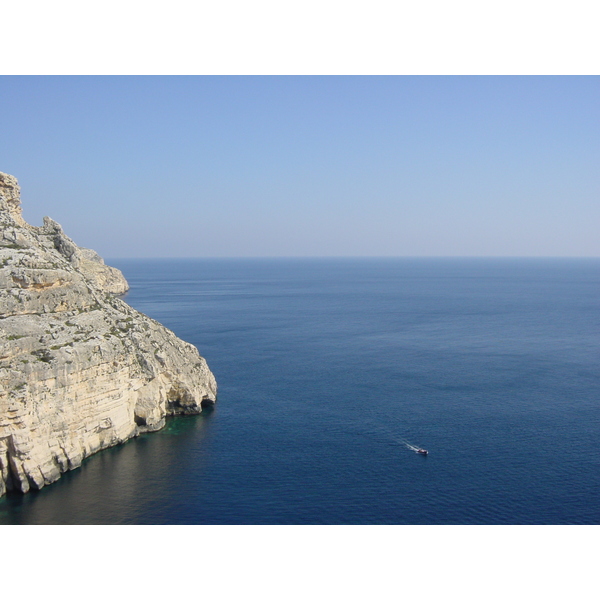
80, 370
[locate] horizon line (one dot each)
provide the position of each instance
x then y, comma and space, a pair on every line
352, 257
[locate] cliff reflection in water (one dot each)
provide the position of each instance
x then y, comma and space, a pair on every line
119, 485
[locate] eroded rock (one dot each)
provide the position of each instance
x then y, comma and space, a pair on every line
80, 370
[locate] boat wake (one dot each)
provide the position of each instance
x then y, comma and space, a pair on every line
383, 430
414, 448
384, 434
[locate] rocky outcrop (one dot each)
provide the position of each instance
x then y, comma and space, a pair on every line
80, 370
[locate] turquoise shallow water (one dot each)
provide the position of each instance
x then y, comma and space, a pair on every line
326, 367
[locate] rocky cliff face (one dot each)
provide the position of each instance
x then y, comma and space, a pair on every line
80, 370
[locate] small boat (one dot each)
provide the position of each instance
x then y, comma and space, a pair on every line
422, 451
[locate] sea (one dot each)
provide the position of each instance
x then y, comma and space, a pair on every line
331, 373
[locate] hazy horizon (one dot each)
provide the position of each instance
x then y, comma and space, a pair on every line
349, 257
303, 166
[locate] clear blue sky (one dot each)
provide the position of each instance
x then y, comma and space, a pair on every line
309, 166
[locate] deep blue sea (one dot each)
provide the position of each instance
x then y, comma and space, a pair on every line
328, 367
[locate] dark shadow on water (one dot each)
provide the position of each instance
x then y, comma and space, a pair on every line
117, 484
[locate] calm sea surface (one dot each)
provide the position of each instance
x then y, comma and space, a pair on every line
327, 368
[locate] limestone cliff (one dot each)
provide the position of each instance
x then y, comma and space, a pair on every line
80, 370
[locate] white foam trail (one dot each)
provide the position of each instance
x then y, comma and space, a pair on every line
382, 430
409, 445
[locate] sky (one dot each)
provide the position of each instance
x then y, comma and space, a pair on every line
276, 166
